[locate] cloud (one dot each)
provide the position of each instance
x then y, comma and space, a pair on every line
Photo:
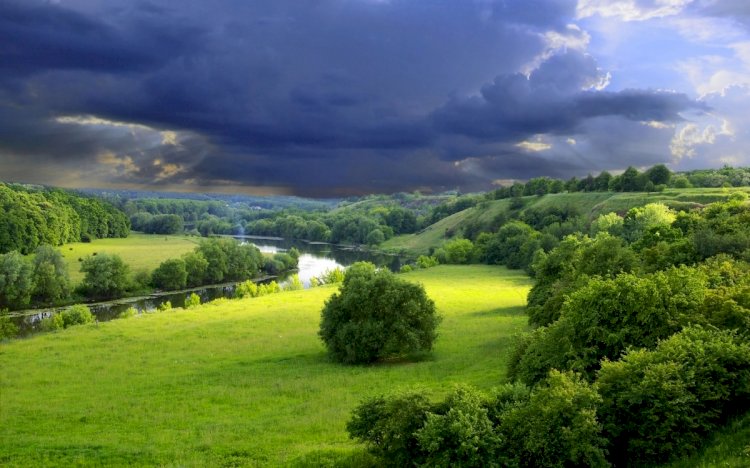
325, 97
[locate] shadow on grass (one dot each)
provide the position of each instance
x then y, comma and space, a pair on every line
336, 459
500, 312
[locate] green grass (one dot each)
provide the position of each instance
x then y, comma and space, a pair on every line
728, 448
590, 204
243, 382
139, 251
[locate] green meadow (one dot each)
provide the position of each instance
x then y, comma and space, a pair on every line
236, 382
139, 251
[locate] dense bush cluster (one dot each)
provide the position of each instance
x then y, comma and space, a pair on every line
376, 316
641, 347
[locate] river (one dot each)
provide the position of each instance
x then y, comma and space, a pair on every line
315, 259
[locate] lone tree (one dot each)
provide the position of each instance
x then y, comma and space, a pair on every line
376, 316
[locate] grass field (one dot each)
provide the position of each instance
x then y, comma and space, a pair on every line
590, 204
139, 251
238, 383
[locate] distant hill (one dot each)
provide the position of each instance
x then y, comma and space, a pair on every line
488, 215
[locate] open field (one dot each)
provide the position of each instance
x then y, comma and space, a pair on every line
590, 204
139, 251
243, 382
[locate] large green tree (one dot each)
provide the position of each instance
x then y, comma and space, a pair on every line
106, 276
376, 316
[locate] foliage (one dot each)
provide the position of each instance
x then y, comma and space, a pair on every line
459, 251
659, 404
196, 266
106, 276
50, 275
52, 323
557, 427
32, 217
388, 425
127, 313
7, 328
461, 436
423, 261
377, 315
293, 283
170, 275
192, 301
78, 314
164, 306
16, 281
331, 276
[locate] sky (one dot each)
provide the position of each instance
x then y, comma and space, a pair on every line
329, 98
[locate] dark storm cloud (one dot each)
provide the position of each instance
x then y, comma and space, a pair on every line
331, 95
553, 99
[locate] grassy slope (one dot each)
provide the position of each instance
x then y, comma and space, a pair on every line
242, 382
591, 204
139, 251
728, 448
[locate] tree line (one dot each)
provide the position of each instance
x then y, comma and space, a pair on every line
42, 279
36, 216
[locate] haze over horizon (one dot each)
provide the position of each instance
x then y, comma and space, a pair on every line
339, 97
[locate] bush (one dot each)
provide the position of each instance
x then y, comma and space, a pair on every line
78, 314
423, 261
127, 313
405, 269
246, 289
659, 404
106, 276
7, 328
170, 275
388, 426
293, 284
164, 306
459, 251
193, 300
557, 427
375, 316
53, 322
463, 436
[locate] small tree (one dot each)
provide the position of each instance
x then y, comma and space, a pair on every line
106, 276
376, 316
171, 274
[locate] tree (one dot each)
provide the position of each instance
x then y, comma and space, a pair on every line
106, 276
50, 273
16, 284
171, 274
377, 315
459, 251
196, 266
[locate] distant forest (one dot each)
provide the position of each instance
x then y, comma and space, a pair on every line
32, 216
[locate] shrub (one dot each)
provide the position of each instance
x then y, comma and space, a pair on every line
164, 306
193, 300
659, 404
405, 269
459, 251
246, 289
53, 322
388, 426
106, 276
7, 328
78, 314
423, 261
557, 427
375, 316
170, 275
127, 313
293, 284
463, 435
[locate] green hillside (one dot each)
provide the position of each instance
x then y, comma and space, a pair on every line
488, 214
